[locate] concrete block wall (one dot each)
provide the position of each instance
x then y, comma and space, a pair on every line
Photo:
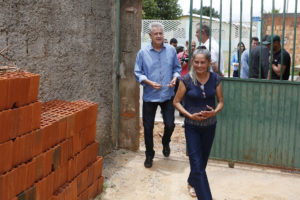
71, 45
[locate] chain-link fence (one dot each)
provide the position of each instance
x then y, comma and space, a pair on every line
179, 29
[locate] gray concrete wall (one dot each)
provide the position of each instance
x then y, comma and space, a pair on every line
130, 42
71, 45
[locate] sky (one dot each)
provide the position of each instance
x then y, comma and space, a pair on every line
267, 5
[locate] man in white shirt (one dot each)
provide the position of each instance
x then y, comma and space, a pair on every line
214, 48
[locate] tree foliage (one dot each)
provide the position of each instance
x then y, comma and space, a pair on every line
206, 12
161, 9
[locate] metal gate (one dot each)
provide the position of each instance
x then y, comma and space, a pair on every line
260, 121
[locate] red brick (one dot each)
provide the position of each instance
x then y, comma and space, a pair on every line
93, 190
98, 165
60, 176
44, 188
48, 160
23, 90
12, 94
84, 195
100, 184
17, 180
6, 152
4, 93
71, 169
82, 182
92, 113
76, 143
6, 126
5, 189
37, 142
66, 151
25, 119
31, 193
36, 115
70, 125
33, 87
62, 129
23, 148
30, 173
56, 157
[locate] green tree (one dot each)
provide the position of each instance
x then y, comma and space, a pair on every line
206, 12
161, 9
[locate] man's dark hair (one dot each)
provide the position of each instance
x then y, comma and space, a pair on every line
179, 49
173, 40
255, 39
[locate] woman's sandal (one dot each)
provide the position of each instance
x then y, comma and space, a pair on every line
192, 191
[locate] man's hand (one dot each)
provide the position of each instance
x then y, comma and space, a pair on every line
155, 85
173, 82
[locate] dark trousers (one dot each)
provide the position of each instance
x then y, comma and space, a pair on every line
199, 142
149, 110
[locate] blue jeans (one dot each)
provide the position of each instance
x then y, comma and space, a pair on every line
199, 142
149, 110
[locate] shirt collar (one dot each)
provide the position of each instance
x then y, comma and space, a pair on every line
152, 48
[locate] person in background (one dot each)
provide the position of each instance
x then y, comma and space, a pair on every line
183, 57
166, 41
199, 88
173, 42
235, 61
245, 58
255, 59
157, 69
276, 62
179, 49
205, 33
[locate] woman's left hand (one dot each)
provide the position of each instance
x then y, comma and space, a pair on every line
208, 113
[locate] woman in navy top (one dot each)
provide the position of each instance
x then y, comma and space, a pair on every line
199, 88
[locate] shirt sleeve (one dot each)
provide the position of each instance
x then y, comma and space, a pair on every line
185, 79
138, 68
245, 66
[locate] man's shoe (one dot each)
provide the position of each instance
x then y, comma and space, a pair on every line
166, 150
148, 162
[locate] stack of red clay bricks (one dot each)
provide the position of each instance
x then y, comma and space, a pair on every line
47, 151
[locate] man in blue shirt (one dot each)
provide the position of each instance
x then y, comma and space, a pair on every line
157, 69
245, 59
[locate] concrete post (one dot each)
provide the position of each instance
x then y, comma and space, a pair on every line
130, 29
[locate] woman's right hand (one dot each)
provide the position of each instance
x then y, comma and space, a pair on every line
197, 117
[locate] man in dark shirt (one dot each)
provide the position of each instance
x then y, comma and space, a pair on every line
276, 63
255, 58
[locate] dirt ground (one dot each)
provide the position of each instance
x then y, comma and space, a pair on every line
126, 178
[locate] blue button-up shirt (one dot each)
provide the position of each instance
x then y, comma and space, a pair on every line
159, 67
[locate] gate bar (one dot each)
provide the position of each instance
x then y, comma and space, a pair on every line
210, 24
261, 36
250, 40
201, 13
282, 39
272, 33
220, 35
190, 33
294, 45
229, 56
240, 39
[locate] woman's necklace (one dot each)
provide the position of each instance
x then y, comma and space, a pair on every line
202, 88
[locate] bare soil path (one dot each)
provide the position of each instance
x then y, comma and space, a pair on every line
127, 179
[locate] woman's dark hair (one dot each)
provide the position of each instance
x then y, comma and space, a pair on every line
238, 50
